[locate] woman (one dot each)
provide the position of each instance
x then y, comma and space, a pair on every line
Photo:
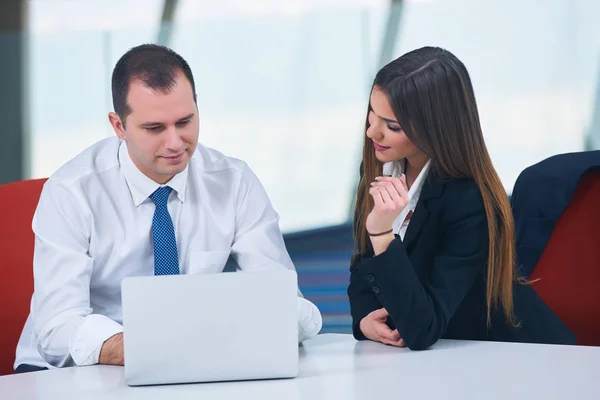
433, 225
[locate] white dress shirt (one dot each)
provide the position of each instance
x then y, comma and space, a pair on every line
93, 228
394, 168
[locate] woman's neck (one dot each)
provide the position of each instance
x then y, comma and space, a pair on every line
413, 167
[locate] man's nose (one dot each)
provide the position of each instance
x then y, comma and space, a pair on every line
173, 139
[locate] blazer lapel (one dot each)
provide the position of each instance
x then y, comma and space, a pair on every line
432, 188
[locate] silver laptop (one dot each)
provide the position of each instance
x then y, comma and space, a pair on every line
210, 327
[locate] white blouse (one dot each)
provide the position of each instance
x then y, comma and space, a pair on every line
395, 169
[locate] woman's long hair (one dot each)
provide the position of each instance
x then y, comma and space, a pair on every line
431, 95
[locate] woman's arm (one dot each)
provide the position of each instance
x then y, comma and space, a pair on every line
362, 299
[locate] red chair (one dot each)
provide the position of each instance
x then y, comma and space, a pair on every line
569, 268
19, 199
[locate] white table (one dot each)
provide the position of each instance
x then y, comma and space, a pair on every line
335, 366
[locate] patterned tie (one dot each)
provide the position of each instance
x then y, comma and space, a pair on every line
166, 261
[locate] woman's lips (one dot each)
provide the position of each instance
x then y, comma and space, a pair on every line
379, 147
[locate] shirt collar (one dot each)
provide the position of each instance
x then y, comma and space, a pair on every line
395, 169
140, 186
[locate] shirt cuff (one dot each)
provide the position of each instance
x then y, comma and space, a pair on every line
86, 343
310, 321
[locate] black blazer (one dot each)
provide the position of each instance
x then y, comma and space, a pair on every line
433, 284
541, 194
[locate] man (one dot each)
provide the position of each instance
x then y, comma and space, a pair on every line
151, 201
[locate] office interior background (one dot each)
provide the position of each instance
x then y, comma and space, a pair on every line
284, 85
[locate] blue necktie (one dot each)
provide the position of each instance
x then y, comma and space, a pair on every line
166, 261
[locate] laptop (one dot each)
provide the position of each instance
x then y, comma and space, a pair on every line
210, 327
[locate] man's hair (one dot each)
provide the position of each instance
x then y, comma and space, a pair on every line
156, 66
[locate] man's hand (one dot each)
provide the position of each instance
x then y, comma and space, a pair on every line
112, 351
373, 327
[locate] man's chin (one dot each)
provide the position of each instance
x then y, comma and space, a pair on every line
170, 168
173, 169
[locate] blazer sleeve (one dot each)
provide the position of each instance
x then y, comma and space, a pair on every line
421, 311
362, 299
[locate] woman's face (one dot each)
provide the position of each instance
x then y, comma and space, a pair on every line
389, 140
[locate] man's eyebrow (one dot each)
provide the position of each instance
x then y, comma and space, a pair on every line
151, 124
186, 117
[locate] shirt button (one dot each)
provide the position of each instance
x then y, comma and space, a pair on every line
376, 289
371, 278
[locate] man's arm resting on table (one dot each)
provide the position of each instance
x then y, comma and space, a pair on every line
112, 351
66, 331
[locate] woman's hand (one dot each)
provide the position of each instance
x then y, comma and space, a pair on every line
373, 326
390, 196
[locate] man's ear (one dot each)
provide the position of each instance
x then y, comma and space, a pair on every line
117, 125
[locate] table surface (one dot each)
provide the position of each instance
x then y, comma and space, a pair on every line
335, 366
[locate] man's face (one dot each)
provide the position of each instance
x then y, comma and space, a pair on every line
162, 129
